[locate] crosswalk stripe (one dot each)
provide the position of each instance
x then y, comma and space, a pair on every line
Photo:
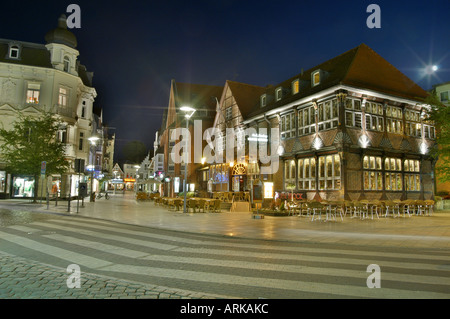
332, 260
68, 255
221, 260
238, 263
303, 286
145, 243
376, 254
299, 269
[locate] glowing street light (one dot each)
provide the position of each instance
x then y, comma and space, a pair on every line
189, 111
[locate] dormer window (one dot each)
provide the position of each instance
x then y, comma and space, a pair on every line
279, 93
295, 87
316, 78
14, 51
66, 64
263, 100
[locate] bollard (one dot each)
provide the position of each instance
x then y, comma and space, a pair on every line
56, 199
68, 204
48, 201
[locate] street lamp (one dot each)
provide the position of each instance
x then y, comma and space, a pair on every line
93, 139
189, 111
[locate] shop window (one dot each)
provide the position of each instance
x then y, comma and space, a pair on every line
329, 172
289, 174
373, 178
23, 187
2, 181
307, 173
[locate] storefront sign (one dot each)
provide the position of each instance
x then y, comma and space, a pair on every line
290, 195
129, 180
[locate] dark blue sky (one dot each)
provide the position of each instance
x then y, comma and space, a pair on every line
135, 47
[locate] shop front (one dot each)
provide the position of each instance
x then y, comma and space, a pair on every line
5, 182
23, 186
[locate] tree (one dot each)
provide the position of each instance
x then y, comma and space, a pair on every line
440, 115
135, 151
31, 141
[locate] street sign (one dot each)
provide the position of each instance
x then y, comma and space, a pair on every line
82, 189
43, 168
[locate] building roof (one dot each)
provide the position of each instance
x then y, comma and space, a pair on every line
245, 95
360, 67
198, 96
31, 54
61, 35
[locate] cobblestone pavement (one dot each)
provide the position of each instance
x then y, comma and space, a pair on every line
26, 279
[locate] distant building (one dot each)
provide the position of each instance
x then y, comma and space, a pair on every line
204, 99
442, 92
36, 78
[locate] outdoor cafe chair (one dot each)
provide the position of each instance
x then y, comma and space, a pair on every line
201, 203
315, 208
391, 207
191, 203
214, 206
429, 204
177, 203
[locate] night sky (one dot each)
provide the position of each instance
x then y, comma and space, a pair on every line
135, 48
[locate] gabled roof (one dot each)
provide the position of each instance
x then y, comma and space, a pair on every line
198, 96
371, 71
360, 67
245, 95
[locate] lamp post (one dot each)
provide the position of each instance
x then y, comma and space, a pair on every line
93, 139
189, 111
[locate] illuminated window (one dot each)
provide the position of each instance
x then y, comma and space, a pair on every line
289, 174
33, 93
287, 125
394, 119
373, 177
329, 172
62, 98
316, 78
306, 120
268, 190
307, 173
393, 177
328, 115
412, 175
295, 87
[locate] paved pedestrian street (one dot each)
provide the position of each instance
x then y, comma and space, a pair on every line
118, 260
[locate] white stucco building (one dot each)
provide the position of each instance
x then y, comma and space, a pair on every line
48, 77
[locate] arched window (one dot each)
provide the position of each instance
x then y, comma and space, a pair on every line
66, 64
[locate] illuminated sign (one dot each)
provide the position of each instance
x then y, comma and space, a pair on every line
129, 180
